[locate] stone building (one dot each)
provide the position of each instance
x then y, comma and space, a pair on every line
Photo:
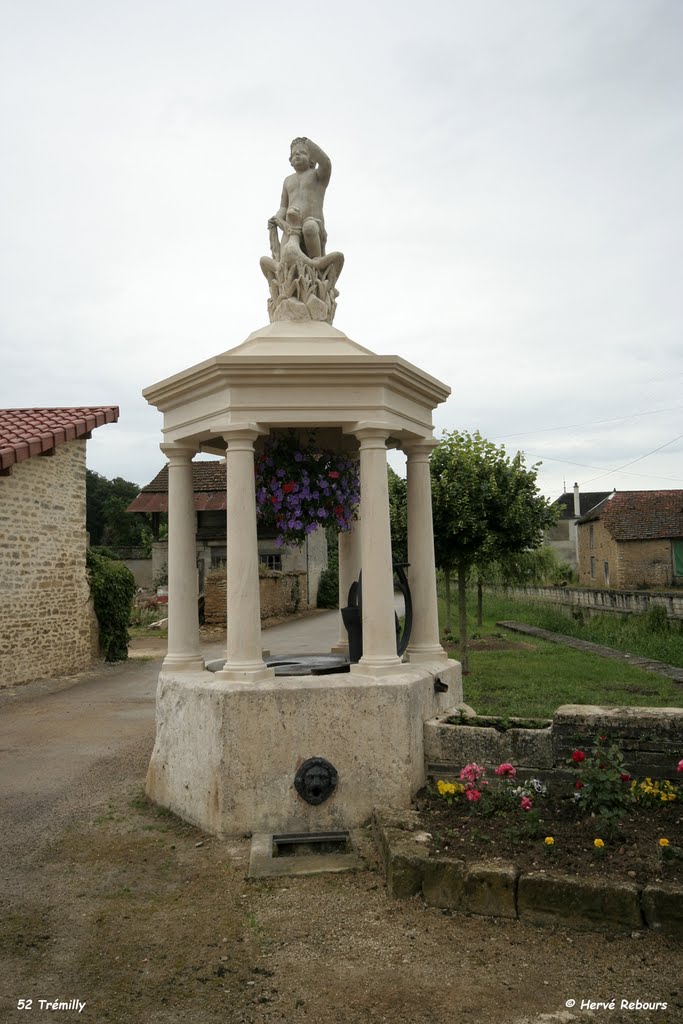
210, 505
562, 537
48, 626
632, 540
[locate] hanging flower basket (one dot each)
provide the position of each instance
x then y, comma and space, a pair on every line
301, 486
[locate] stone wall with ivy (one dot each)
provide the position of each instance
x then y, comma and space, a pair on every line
282, 594
45, 607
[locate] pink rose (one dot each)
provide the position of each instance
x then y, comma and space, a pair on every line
506, 770
525, 803
680, 766
473, 795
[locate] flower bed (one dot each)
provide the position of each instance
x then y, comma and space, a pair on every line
605, 824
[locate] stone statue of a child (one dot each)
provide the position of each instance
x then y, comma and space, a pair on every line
305, 191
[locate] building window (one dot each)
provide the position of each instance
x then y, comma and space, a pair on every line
677, 546
272, 562
219, 557
591, 540
592, 567
605, 569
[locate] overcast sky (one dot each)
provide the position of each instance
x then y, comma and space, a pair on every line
506, 189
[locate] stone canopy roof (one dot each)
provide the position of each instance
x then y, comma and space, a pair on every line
28, 432
208, 484
640, 515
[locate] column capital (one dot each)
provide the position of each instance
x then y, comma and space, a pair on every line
419, 450
178, 453
371, 435
231, 432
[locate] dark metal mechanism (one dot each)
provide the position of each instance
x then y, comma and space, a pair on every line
316, 780
352, 615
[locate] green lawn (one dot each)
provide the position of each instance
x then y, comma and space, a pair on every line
533, 681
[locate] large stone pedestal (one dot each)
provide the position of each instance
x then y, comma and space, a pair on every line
227, 752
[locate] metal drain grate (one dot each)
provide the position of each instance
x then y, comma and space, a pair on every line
302, 853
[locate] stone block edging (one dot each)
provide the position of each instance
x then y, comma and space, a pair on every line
502, 889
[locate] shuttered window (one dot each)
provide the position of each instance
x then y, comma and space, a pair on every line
678, 557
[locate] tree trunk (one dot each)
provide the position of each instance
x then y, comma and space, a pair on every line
448, 625
462, 609
480, 602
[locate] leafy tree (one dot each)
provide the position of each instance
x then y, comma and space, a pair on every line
486, 506
398, 515
106, 518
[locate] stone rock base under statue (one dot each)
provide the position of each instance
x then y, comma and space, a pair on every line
226, 753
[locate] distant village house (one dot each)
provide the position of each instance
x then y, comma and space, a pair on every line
306, 563
633, 540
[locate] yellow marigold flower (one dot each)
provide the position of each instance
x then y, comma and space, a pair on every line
598, 843
549, 841
663, 842
445, 787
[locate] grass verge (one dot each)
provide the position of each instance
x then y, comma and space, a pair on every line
532, 678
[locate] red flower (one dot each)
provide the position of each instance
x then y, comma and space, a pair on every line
338, 511
333, 475
578, 756
578, 784
625, 777
273, 500
288, 488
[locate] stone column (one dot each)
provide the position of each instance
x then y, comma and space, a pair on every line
379, 632
424, 640
183, 651
349, 568
244, 659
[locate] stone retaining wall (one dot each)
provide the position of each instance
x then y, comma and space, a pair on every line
282, 594
651, 740
624, 602
47, 618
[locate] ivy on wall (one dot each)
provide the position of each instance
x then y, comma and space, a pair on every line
112, 586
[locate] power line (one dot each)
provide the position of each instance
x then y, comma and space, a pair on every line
583, 465
588, 423
639, 459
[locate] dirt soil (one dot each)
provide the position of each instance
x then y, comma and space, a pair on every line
113, 902
632, 854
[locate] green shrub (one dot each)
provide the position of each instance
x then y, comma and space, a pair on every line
112, 586
328, 588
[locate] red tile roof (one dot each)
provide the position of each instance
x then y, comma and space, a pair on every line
28, 432
641, 515
208, 484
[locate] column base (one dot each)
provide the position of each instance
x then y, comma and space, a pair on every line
250, 672
341, 647
426, 652
183, 663
379, 667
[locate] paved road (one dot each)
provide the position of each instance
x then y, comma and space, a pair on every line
61, 738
